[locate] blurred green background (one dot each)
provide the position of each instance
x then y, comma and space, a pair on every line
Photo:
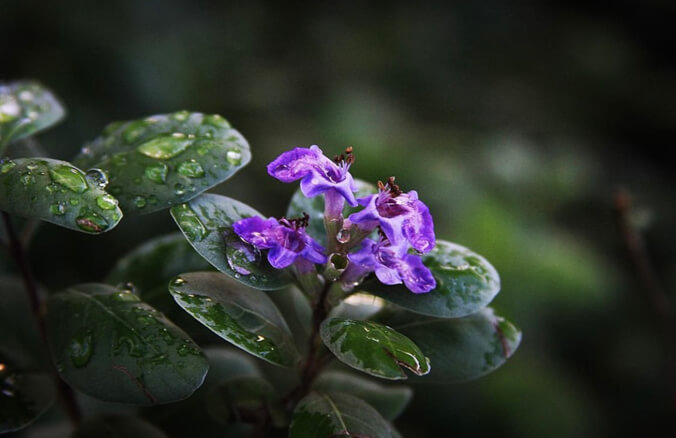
515, 121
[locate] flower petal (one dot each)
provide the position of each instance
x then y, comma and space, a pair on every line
280, 257
416, 276
257, 231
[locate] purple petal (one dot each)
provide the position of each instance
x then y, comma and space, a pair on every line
257, 231
294, 164
280, 257
416, 276
387, 275
418, 227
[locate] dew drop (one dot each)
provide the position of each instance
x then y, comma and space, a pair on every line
157, 173
165, 146
97, 177
181, 116
6, 166
26, 96
119, 159
343, 236
241, 257
81, 348
70, 177
140, 201
190, 223
74, 202
27, 178
58, 209
31, 165
9, 108
178, 281
216, 120
234, 156
106, 202
179, 189
191, 169
134, 131
91, 222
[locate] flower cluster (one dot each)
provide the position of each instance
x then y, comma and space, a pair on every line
402, 222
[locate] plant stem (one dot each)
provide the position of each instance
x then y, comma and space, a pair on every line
16, 249
312, 364
651, 289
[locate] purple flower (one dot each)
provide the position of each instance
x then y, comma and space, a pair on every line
319, 173
286, 239
401, 216
391, 264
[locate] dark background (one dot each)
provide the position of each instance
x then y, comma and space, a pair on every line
516, 122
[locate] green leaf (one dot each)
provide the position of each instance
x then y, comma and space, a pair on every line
373, 348
57, 192
466, 283
24, 394
207, 224
108, 344
243, 396
389, 400
26, 107
165, 159
461, 349
117, 426
243, 316
332, 415
150, 266
314, 207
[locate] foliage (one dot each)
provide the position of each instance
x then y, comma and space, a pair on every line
110, 341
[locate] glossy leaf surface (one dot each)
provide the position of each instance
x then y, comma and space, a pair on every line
57, 192
165, 159
389, 400
333, 415
207, 224
461, 349
466, 283
243, 316
373, 348
26, 107
108, 344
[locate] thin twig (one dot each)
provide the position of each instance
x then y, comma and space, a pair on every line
65, 393
651, 289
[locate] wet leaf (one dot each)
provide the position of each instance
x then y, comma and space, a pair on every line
373, 348
57, 192
466, 283
25, 394
117, 426
237, 397
108, 344
314, 207
461, 349
26, 107
207, 224
333, 415
389, 400
165, 159
243, 316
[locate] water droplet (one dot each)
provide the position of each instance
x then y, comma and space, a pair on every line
74, 201
27, 178
190, 223
139, 201
70, 177
31, 165
134, 131
234, 156
81, 349
6, 166
165, 146
179, 189
152, 199
203, 149
157, 173
91, 222
216, 120
127, 286
97, 177
125, 296
52, 187
241, 257
9, 108
178, 281
191, 169
343, 236
181, 116
26, 96
106, 202
58, 209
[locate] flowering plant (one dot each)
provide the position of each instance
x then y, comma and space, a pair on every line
352, 272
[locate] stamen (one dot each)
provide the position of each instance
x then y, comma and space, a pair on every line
345, 158
390, 187
296, 223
